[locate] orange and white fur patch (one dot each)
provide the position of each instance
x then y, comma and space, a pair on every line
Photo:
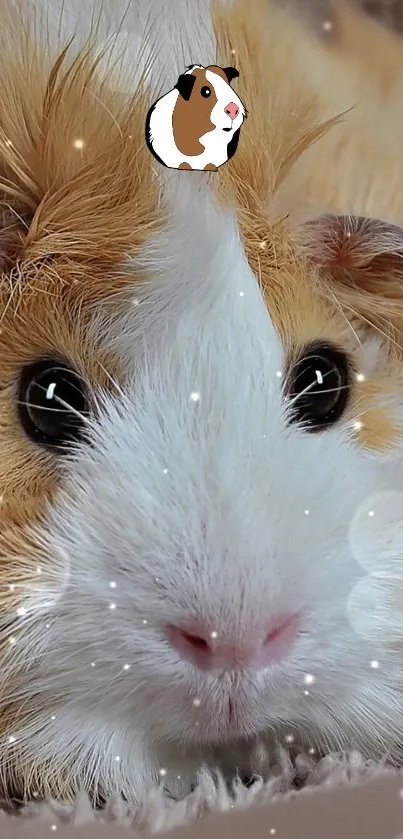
200, 402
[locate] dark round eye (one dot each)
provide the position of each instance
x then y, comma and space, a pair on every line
52, 403
318, 387
206, 91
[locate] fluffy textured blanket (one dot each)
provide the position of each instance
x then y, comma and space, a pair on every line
339, 795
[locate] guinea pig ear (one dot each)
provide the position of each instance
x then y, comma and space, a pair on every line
361, 261
352, 242
231, 73
185, 85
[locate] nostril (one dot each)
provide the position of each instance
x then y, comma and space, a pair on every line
195, 641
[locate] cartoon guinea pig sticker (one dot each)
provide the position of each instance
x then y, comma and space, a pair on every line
197, 124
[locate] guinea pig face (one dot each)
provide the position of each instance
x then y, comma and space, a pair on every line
188, 462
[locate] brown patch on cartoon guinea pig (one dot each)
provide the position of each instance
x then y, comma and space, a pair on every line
191, 117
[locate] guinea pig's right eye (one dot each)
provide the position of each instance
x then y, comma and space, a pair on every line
319, 386
205, 92
52, 403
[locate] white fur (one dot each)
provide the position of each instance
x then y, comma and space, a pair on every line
197, 510
215, 141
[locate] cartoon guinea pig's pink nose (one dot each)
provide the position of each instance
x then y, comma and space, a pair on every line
232, 110
257, 648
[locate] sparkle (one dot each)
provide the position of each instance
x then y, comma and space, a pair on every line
262, 244
165, 471
126, 667
39, 570
306, 512
360, 377
53, 717
214, 634
312, 751
327, 25
117, 758
371, 514
289, 738
8, 143
21, 611
197, 703
309, 679
53, 827
374, 664
272, 831
78, 144
279, 374
12, 739
12, 640
195, 396
112, 584
358, 425
162, 772
48, 626
136, 302
12, 587
145, 622
306, 692
233, 52
242, 294
51, 391
92, 663
112, 606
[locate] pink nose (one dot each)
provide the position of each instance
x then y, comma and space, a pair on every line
232, 110
257, 649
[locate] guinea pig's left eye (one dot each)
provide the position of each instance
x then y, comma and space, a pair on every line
52, 403
318, 386
205, 91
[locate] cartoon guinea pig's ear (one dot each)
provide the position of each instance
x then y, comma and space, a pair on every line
185, 85
231, 73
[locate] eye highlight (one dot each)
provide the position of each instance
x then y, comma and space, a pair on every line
318, 386
52, 403
205, 92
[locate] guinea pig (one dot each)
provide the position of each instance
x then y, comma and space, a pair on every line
201, 419
197, 124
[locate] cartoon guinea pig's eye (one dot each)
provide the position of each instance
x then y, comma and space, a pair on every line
205, 92
318, 386
52, 403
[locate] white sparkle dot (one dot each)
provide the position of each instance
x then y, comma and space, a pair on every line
327, 25
53, 827
12, 587
12, 739
197, 703
309, 679
112, 606
289, 738
21, 611
117, 758
145, 621
39, 570
233, 52
165, 471
92, 663
312, 751
272, 831
358, 425
306, 692
126, 667
112, 584
214, 635
8, 143
306, 512
51, 391
162, 772
178, 778
371, 514
78, 144
374, 664
263, 244
279, 374
195, 396
242, 294
48, 626
53, 717
12, 640
360, 377
136, 302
